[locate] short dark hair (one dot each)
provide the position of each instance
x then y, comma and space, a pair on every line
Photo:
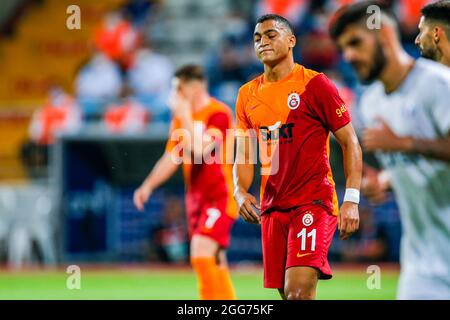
190, 72
278, 18
439, 11
355, 13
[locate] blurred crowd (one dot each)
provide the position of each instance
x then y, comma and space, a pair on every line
126, 81
123, 84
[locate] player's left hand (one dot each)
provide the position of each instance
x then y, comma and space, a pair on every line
348, 222
179, 105
384, 139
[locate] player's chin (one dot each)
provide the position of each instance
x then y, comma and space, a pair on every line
363, 75
427, 54
268, 60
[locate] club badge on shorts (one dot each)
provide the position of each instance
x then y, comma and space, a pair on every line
307, 219
293, 100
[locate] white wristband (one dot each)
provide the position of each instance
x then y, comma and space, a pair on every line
351, 195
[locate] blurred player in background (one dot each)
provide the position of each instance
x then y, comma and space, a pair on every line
210, 207
293, 110
407, 118
434, 37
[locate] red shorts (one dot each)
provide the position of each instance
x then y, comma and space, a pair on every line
300, 237
211, 220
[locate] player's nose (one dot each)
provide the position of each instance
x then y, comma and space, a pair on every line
264, 41
349, 55
417, 40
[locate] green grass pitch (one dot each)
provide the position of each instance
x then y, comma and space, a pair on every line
159, 284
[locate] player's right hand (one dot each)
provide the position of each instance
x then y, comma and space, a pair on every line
141, 196
246, 204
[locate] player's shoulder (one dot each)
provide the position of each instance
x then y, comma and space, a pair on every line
216, 106
431, 67
373, 90
371, 96
313, 80
371, 93
432, 72
307, 75
249, 86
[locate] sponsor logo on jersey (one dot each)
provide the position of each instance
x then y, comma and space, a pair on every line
341, 110
276, 131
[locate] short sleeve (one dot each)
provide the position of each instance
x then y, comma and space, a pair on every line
242, 123
172, 141
327, 104
221, 121
440, 108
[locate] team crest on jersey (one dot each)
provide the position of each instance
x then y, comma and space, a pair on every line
293, 100
307, 219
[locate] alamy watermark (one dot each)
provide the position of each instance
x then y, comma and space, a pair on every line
374, 280
374, 20
73, 21
211, 146
73, 281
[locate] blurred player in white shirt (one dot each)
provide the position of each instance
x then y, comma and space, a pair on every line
406, 113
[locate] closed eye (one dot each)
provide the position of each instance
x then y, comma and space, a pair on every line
355, 42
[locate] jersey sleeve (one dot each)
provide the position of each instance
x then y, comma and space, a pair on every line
328, 105
171, 141
242, 123
221, 121
440, 108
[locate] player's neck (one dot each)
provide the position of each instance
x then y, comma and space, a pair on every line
396, 71
279, 71
445, 58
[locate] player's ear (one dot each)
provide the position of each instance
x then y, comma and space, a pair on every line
292, 41
437, 33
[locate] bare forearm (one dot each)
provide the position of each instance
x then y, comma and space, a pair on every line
439, 148
161, 172
243, 165
242, 176
352, 154
247, 203
352, 165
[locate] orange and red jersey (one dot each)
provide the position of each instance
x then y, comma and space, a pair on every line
293, 119
209, 182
